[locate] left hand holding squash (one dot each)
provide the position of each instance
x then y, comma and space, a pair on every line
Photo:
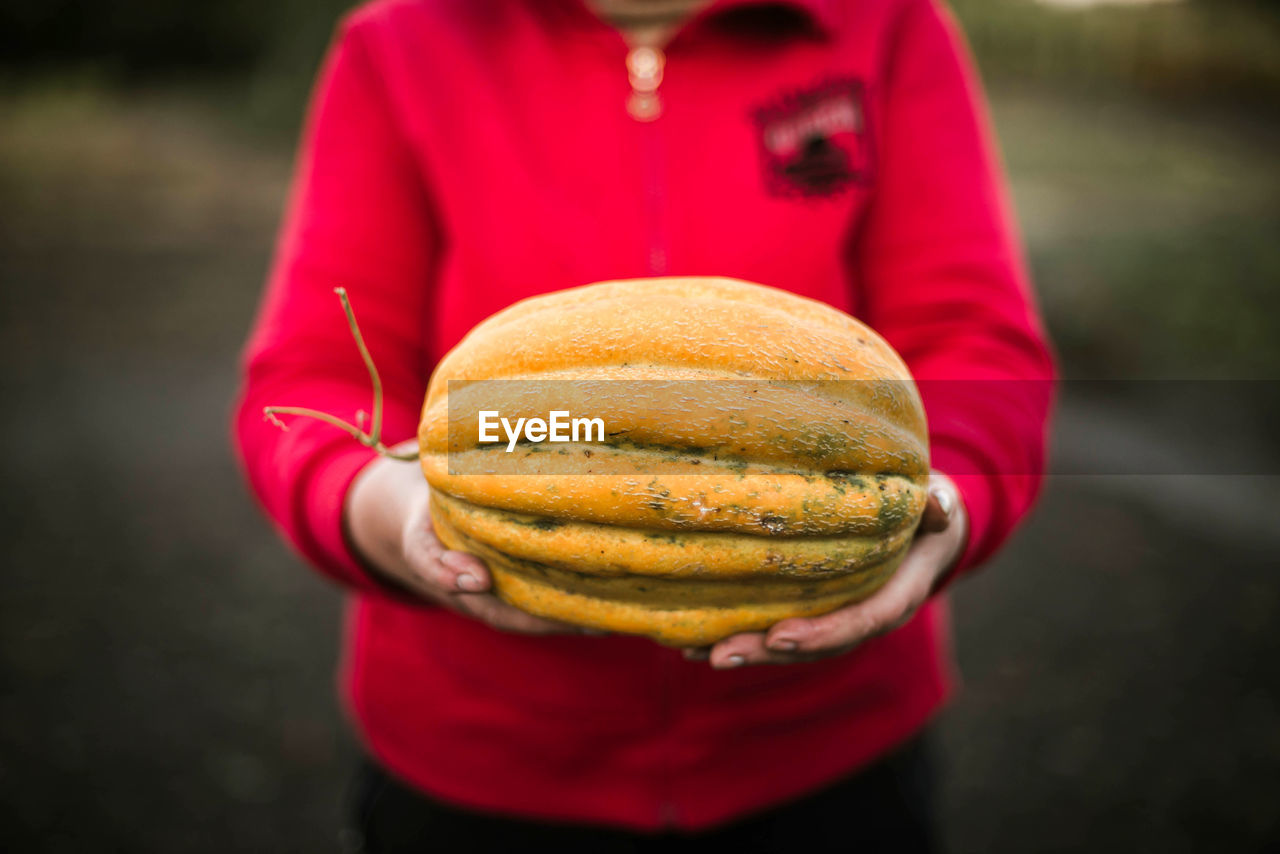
939, 542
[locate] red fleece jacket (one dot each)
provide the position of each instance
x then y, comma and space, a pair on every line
460, 156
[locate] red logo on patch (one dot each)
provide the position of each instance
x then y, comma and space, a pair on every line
814, 142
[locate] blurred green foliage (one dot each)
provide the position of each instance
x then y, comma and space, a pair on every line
1204, 47
271, 48
1200, 46
1151, 228
134, 37
1140, 141
257, 56
261, 55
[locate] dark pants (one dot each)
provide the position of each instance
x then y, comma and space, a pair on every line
886, 807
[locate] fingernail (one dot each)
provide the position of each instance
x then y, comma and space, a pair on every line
782, 644
468, 582
946, 500
732, 661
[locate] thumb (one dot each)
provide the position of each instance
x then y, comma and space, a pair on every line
941, 506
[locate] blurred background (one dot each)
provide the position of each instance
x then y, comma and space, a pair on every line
166, 666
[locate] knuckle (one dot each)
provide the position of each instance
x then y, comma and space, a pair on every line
420, 554
833, 630
432, 574
866, 626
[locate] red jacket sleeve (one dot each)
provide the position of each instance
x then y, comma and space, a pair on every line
358, 217
945, 282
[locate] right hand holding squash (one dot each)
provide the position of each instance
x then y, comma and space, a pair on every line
388, 524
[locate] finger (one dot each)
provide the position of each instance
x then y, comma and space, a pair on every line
738, 650
806, 639
748, 649
940, 508
466, 572
934, 519
842, 629
445, 571
498, 614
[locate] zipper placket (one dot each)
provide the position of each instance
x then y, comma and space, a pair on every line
645, 68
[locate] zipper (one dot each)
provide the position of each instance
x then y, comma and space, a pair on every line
644, 71
645, 67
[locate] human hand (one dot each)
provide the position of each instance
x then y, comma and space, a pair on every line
939, 541
388, 522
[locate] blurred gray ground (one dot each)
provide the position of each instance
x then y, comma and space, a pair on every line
166, 666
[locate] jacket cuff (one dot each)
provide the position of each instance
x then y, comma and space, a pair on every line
326, 498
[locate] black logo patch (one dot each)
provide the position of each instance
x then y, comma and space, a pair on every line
814, 141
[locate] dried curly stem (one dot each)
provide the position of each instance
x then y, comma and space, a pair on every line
371, 439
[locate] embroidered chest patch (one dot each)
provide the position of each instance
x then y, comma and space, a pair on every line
814, 141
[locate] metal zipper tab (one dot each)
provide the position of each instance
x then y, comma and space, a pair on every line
644, 70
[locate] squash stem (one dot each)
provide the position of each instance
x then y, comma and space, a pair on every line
371, 439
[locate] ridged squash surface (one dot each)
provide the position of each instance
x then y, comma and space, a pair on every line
766, 457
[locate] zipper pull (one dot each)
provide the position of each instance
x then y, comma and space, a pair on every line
644, 70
